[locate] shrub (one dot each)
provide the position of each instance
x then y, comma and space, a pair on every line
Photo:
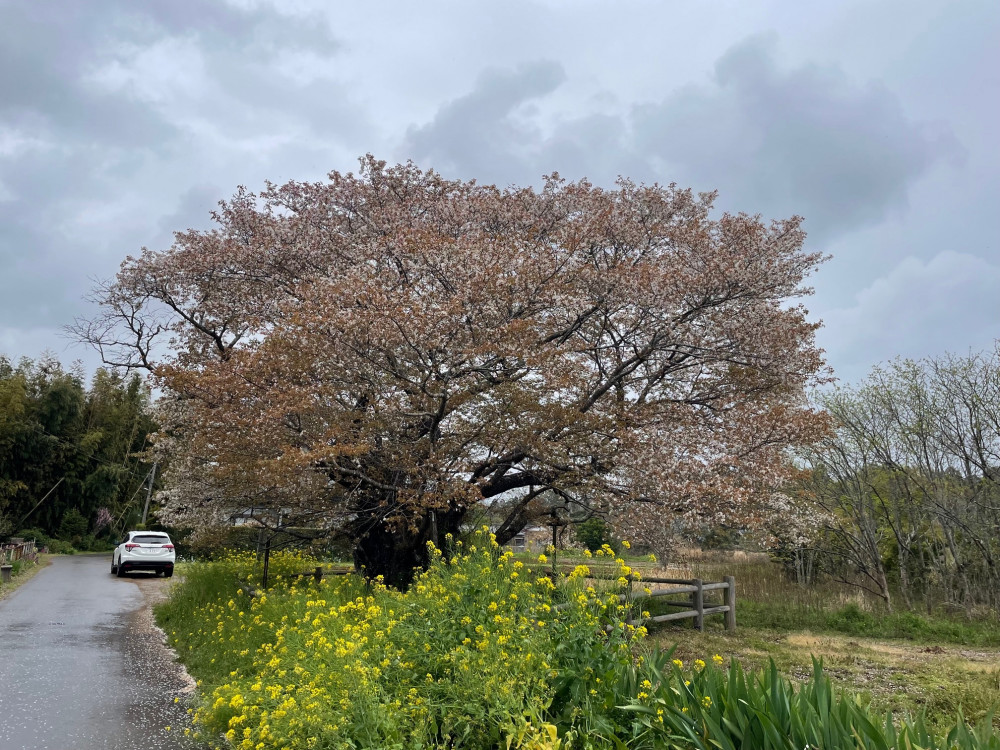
853, 620
73, 526
594, 533
481, 653
477, 651
55, 546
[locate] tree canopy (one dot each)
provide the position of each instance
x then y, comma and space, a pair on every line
380, 346
66, 448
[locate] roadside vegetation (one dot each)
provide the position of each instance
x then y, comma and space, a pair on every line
481, 653
21, 571
770, 598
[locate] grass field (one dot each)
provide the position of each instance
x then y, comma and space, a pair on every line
900, 661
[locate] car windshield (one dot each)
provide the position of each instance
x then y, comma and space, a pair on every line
151, 539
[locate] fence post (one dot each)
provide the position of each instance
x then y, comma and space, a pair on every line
318, 574
267, 562
699, 604
731, 603
554, 540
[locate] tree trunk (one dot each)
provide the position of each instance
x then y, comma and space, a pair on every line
883, 584
396, 552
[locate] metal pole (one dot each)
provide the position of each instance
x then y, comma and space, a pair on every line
149, 492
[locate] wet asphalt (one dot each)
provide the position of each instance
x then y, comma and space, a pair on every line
83, 667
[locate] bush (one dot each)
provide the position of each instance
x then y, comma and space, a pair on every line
853, 620
594, 533
477, 651
73, 526
721, 538
480, 653
55, 546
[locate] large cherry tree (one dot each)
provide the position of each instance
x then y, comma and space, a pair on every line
392, 351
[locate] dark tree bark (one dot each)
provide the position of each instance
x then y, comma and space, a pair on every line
397, 551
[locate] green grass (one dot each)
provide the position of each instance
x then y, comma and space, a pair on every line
902, 661
850, 619
766, 598
898, 676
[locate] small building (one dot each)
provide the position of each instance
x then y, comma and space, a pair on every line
531, 539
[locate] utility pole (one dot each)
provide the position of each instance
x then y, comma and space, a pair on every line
149, 492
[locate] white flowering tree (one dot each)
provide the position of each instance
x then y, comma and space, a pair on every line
391, 349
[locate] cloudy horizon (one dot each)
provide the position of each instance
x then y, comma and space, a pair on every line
121, 122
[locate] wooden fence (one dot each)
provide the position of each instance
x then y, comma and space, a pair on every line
20, 550
694, 605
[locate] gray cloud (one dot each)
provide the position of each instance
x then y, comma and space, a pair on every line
946, 303
805, 141
122, 121
483, 133
110, 112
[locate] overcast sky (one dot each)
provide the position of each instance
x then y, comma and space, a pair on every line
123, 120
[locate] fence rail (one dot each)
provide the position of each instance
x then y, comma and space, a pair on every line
12, 552
694, 605
697, 610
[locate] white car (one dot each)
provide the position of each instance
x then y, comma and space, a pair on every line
144, 550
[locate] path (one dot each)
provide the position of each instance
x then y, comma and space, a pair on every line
81, 665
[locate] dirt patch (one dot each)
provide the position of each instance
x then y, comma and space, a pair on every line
835, 646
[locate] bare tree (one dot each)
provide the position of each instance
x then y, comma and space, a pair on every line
917, 451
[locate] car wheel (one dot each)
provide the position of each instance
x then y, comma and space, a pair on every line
168, 573
120, 572
114, 568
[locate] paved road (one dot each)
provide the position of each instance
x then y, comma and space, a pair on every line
81, 665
